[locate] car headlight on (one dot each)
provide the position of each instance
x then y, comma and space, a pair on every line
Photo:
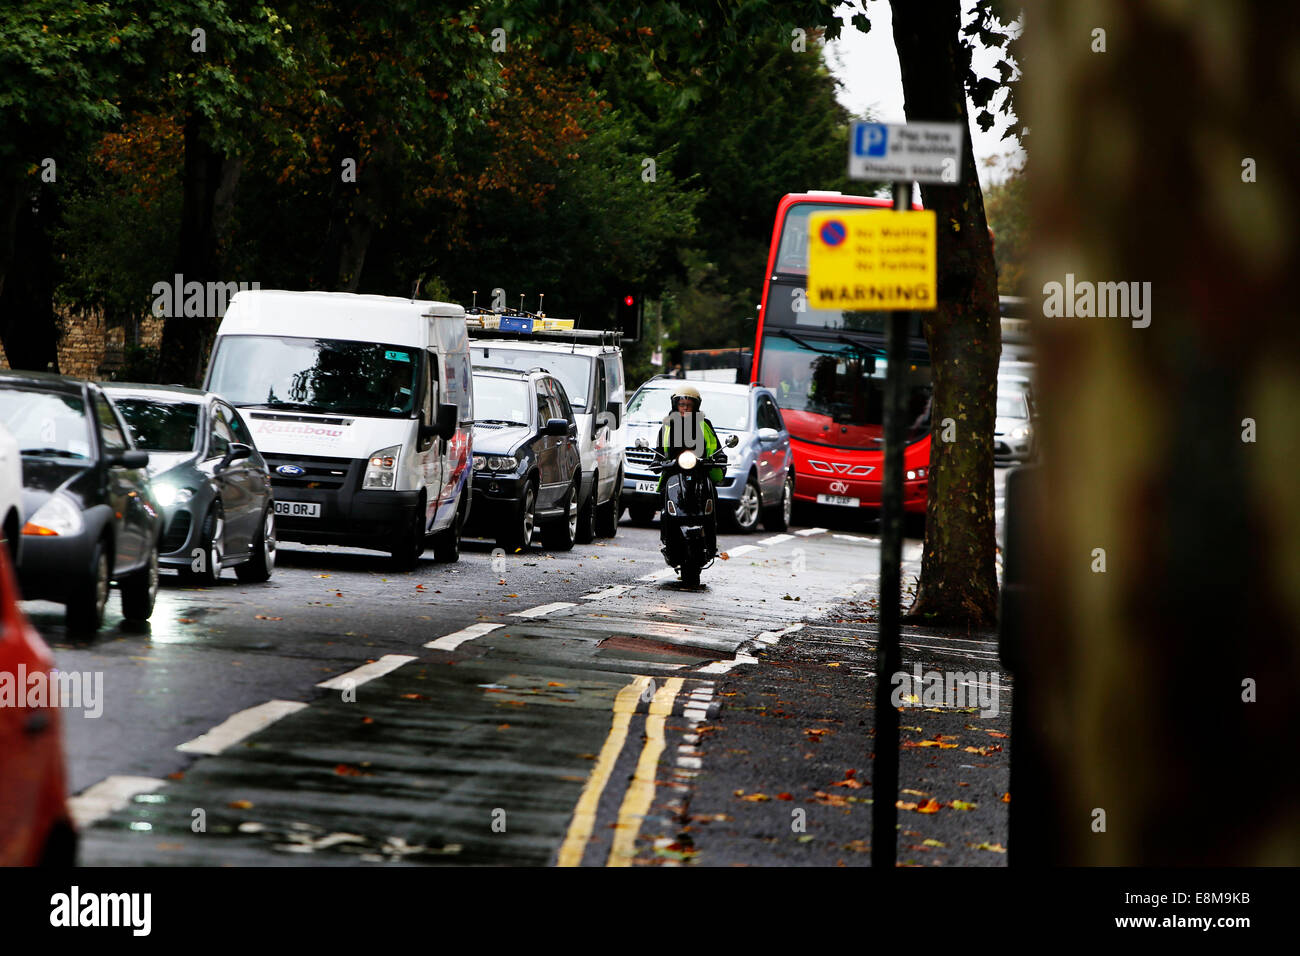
168, 494
1019, 433
381, 470
686, 460
502, 463
916, 474
59, 515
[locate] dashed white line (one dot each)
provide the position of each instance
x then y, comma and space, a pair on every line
454, 640
366, 672
663, 575
111, 793
776, 539
544, 609
856, 539
742, 549
238, 726
609, 592
805, 532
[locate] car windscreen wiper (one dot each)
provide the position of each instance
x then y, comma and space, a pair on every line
52, 452
498, 421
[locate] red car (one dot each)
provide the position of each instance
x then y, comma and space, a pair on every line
35, 826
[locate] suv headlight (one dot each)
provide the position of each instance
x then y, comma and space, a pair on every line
381, 470
502, 463
57, 516
478, 462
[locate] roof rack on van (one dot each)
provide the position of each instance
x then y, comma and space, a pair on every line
528, 326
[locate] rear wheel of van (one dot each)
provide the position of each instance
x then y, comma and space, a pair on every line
446, 543
410, 544
559, 535
607, 515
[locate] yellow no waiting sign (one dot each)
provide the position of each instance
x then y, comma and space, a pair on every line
872, 260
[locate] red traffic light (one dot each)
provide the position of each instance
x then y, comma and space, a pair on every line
628, 300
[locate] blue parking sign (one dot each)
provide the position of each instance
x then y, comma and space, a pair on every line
871, 139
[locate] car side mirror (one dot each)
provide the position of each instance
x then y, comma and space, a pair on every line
768, 434
448, 420
236, 452
556, 426
129, 459
734, 440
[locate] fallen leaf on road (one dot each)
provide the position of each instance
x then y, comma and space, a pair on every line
962, 805
982, 751
724, 556
994, 733
850, 783
412, 696
916, 793
784, 796
1006, 797
832, 665
933, 843
555, 683
240, 805
994, 847
503, 726
263, 617
904, 805
343, 770
830, 799
930, 806
367, 720
186, 620
178, 775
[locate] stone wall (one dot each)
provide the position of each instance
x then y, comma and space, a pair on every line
90, 348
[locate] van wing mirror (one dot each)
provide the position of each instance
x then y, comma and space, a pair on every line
615, 410
448, 420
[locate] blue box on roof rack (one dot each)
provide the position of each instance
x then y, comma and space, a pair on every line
513, 324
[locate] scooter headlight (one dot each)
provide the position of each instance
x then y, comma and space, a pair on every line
686, 460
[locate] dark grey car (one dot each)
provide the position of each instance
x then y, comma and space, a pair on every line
212, 484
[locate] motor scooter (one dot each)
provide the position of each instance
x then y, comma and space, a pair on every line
688, 509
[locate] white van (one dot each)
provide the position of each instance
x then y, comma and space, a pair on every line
362, 406
589, 364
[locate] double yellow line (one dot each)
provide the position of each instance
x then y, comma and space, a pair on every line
640, 792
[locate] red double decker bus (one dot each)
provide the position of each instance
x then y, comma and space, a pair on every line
827, 369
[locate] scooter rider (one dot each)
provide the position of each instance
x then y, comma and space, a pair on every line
686, 428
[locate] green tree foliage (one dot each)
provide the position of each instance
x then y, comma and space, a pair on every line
1004, 204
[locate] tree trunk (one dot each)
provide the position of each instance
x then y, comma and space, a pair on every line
184, 347
27, 323
1165, 685
958, 578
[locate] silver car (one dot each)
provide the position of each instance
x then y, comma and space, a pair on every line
1013, 431
206, 473
759, 482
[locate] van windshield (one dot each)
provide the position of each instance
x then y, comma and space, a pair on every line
573, 369
317, 375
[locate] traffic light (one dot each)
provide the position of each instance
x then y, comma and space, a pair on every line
628, 319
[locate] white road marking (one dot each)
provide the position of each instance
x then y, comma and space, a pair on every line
454, 640
366, 672
805, 532
742, 549
695, 713
238, 726
694, 763
610, 592
544, 609
776, 539
111, 793
663, 575
857, 539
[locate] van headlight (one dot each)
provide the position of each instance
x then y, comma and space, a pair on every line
57, 516
381, 470
686, 460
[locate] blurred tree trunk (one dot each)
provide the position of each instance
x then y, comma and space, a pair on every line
1137, 674
28, 329
958, 578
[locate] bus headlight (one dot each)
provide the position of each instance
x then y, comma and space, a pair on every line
381, 470
686, 460
916, 474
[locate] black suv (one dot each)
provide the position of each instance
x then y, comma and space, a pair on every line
527, 463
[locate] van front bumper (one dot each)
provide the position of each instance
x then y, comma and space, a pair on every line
363, 519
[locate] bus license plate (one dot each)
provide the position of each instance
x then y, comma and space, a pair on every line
298, 509
647, 487
838, 500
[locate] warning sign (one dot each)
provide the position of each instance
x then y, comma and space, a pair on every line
871, 260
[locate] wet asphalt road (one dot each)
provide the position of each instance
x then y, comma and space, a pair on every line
500, 744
